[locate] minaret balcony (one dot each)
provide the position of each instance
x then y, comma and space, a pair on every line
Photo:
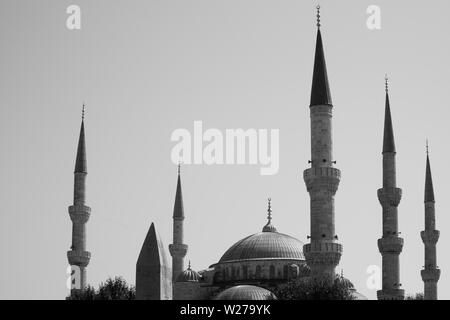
322, 178
431, 274
79, 213
178, 250
390, 245
79, 258
391, 294
430, 236
322, 253
389, 197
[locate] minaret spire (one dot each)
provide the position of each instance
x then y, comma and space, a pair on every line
430, 236
178, 249
79, 214
320, 91
323, 253
81, 163
388, 139
390, 244
429, 190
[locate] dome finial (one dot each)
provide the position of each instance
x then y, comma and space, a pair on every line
269, 227
318, 16
179, 167
189, 265
427, 147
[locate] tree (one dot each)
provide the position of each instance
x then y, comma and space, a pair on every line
87, 294
111, 289
115, 289
312, 288
417, 296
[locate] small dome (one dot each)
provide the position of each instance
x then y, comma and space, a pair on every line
189, 275
246, 292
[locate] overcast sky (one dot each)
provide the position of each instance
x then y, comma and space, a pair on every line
147, 68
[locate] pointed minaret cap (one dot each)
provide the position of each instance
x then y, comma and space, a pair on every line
429, 191
178, 210
320, 91
388, 139
81, 163
269, 227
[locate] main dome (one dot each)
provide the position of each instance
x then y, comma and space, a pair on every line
265, 245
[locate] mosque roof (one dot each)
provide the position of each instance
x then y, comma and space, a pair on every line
246, 292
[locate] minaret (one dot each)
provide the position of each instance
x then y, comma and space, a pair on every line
322, 179
79, 214
178, 250
430, 236
390, 245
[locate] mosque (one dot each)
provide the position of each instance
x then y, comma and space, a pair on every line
254, 266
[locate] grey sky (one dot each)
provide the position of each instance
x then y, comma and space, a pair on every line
146, 68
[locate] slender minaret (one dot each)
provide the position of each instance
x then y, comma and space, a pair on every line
178, 249
322, 180
79, 214
390, 245
430, 236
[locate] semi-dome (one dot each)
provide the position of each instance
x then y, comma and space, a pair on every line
189, 275
246, 292
268, 244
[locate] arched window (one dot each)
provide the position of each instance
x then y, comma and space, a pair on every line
272, 272
258, 272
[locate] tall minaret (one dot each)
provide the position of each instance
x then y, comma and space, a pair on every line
79, 214
322, 180
430, 273
178, 250
390, 245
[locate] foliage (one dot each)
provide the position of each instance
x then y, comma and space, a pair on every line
316, 288
111, 289
417, 296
